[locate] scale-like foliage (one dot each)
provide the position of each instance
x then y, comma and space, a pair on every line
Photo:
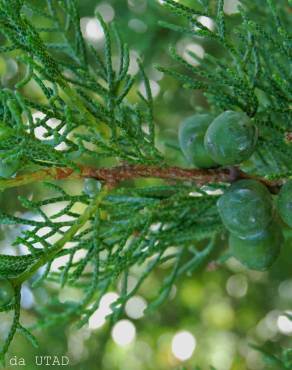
88, 115
94, 120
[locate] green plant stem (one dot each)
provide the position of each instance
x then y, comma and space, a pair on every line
53, 173
81, 221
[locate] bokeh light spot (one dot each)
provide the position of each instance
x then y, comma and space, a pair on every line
137, 25
135, 307
98, 319
237, 286
231, 6
91, 29
207, 22
183, 345
106, 11
154, 87
124, 333
285, 324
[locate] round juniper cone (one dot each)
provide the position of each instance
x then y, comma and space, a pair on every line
231, 138
258, 252
284, 203
6, 292
246, 208
191, 140
92, 187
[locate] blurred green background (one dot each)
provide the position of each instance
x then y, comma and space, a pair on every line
212, 316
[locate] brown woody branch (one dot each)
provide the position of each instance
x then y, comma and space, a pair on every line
114, 175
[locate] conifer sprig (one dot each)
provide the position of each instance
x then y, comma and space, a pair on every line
92, 118
88, 115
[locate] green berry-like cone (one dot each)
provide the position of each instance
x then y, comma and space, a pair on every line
6, 292
9, 168
285, 203
246, 208
259, 252
231, 138
191, 140
92, 187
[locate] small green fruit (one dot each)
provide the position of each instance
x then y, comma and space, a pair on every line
246, 208
258, 252
231, 138
191, 140
92, 187
285, 203
6, 292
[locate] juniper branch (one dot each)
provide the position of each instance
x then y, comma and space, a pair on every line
113, 176
99, 121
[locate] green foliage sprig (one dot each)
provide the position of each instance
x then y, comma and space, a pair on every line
89, 127
125, 225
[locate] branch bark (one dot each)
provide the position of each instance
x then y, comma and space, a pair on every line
114, 175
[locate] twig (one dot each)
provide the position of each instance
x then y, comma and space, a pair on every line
114, 175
